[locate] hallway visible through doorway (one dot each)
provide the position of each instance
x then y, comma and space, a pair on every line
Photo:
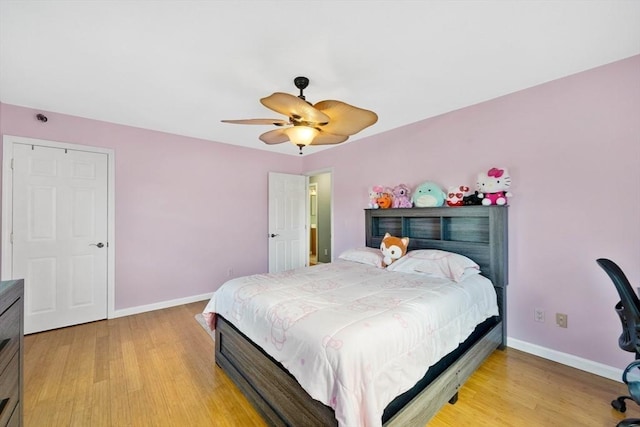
319, 220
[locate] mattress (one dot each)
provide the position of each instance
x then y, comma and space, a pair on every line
353, 335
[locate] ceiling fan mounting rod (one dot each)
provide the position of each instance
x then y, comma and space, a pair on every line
301, 83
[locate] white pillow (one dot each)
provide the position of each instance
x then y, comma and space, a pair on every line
369, 256
437, 263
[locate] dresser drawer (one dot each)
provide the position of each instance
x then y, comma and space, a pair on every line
9, 389
9, 334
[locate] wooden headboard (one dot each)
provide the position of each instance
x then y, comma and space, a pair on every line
477, 232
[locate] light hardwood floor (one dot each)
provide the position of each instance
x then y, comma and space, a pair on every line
157, 369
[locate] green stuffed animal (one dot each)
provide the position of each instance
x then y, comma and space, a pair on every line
427, 195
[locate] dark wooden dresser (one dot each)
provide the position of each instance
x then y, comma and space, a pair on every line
11, 351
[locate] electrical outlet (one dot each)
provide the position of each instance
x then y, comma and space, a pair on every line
538, 315
562, 320
326, 251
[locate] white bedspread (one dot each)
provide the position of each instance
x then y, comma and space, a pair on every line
354, 336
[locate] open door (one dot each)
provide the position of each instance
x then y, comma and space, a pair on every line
288, 241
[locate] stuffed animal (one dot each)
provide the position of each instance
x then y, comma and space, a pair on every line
401, 197
393, 248
455, 195
428, 194
494, 186
374, 193
385, 200
472, 199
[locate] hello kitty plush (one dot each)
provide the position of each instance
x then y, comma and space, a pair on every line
493, 186
401, 197
374, 194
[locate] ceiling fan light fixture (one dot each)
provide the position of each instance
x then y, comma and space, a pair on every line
326, 122
301, 135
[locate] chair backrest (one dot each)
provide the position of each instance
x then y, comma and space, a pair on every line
628, 308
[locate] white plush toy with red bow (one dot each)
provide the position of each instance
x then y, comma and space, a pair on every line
493, 186
456, 195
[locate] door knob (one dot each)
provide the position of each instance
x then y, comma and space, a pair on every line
273, 235
99, 244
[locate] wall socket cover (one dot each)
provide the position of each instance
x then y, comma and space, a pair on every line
562, 320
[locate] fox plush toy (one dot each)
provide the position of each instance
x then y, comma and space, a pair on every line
393, 248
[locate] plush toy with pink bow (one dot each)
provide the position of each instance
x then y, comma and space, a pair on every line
493, 186
374, 194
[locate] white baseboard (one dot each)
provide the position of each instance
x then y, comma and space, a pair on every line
567, 359
159, 305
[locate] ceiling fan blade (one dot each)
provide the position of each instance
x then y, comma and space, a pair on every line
345, 119
277, 122
276, 136
325, 138
295, 108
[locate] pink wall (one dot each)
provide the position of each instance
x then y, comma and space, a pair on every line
572, 146
573, 149
187, 210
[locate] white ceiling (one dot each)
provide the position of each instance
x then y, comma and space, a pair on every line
182, 66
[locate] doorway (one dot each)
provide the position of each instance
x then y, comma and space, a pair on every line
313, 223
320, 218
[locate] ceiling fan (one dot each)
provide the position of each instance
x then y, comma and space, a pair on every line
324, 123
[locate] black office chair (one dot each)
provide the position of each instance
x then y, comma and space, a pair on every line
628, 308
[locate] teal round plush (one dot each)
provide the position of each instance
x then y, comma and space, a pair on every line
427, 195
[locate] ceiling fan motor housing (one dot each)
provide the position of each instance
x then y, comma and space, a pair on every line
301, 83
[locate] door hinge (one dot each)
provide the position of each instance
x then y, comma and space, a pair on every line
12, 164
11, 237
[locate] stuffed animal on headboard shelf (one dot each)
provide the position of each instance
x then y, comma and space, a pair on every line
493, 186
428, 194
393, 248
401, 197
385, 200
455, 195
374, 194
472, 199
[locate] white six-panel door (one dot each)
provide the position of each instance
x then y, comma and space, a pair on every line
59, 239
288, 244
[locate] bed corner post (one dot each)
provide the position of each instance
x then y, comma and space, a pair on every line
499, 226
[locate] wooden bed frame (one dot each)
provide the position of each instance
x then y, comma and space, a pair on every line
478, 232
